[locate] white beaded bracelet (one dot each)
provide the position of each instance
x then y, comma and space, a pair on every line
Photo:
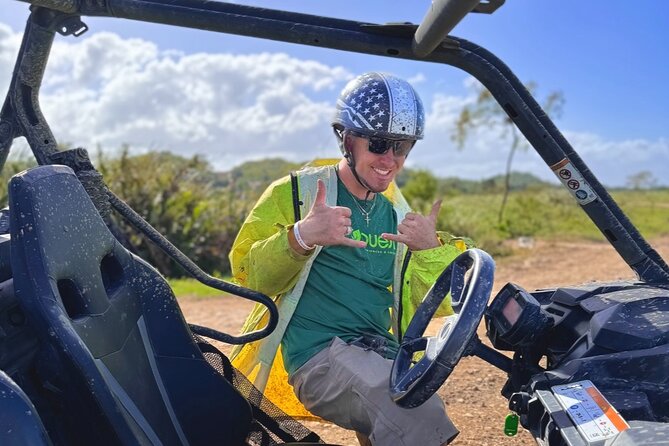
298, 238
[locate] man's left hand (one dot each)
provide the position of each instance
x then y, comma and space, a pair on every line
418, 231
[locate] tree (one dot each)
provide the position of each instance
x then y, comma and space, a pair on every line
641, 180
485, 112
175, 195
420, 189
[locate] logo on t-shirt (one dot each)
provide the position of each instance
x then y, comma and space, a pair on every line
375, 242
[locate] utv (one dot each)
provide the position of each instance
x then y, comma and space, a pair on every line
94, 348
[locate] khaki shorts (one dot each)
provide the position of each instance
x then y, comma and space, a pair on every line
348, 385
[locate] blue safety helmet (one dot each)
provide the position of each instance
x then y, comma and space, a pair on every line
381, 105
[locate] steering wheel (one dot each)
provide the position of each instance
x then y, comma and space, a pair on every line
469, 278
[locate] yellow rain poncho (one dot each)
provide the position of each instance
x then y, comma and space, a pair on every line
262, 259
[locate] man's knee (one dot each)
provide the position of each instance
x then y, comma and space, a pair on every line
427, 424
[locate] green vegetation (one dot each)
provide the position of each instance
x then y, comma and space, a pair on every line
200, 210
486, 113
648, 209
547, 212
193, 288
10, 169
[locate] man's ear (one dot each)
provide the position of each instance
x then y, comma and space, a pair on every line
346, 141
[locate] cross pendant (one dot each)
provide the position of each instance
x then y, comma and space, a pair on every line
367, 219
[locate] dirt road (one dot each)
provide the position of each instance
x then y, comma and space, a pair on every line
472, 391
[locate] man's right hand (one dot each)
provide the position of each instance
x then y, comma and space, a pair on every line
327, 225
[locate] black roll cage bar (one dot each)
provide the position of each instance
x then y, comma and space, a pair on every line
21, 115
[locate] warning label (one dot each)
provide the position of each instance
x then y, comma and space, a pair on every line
574, 181
593, 416
565, 174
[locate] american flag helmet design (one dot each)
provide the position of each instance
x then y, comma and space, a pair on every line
380, 104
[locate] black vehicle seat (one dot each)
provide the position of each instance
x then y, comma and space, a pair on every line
20, 425
117, 357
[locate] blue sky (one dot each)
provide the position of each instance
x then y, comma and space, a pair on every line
608, 59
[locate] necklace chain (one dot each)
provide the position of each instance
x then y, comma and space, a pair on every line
363, 211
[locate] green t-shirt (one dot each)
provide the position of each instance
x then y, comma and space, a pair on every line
348, 291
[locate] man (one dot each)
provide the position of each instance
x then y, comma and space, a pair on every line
349, 262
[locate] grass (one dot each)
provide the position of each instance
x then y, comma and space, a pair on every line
548, 213
192, 288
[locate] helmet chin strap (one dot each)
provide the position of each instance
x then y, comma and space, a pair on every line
350, 160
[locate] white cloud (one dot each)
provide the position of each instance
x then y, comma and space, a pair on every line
418, 78
9, 46
485, 151
614, 161
109, 91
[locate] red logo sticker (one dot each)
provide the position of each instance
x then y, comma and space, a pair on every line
573, 184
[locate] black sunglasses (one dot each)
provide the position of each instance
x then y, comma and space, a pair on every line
379, 146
